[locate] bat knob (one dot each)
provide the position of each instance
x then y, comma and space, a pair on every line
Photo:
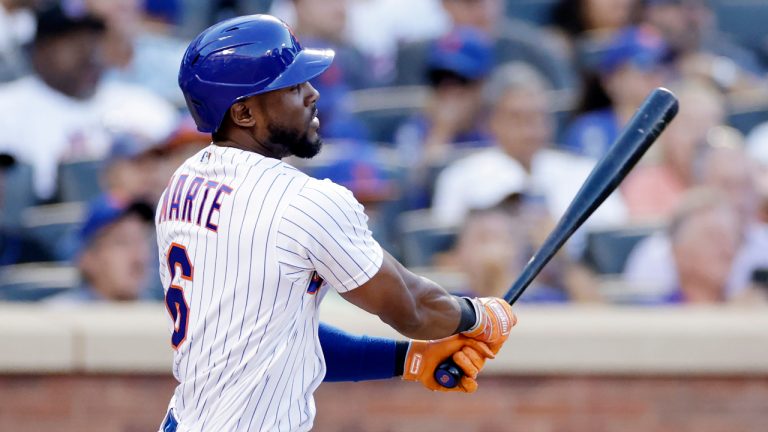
448, 374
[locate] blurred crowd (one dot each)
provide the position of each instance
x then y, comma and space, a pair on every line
464, 126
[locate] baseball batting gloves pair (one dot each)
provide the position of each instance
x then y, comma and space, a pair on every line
494, 320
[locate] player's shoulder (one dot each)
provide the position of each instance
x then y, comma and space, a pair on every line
327, 190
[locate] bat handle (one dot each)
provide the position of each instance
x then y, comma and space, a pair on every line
448, 374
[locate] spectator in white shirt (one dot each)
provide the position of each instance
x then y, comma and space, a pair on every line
64, 111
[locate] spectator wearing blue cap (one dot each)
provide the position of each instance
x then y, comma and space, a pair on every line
113, 255
628, 66
129, 170
457, 65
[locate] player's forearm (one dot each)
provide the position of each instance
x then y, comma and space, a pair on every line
435, 313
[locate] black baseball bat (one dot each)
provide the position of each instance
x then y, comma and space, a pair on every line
653, 116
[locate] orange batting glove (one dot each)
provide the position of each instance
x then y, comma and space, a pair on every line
424, 356
495, 320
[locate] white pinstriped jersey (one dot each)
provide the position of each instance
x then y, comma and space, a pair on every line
245, 244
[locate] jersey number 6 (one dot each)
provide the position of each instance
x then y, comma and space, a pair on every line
178, 259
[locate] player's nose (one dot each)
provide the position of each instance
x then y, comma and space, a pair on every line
312, 94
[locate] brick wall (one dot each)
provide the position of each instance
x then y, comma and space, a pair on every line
132, 403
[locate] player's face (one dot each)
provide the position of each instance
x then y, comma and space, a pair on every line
291, 115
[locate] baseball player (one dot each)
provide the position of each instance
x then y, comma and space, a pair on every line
249, 245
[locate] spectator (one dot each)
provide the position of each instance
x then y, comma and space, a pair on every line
492, 248
726, 166
513, 40
705, 237
629, 66
64, 112
129, 171
689, 26
457, 65
17, 27
518, 101
726, 169
653, 190
114, 255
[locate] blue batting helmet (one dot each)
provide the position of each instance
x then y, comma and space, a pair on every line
239, 58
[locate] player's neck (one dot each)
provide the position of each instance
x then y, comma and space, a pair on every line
253, 145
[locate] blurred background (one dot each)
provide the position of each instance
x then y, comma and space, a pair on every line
465, 127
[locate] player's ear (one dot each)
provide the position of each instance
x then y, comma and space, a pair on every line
242, 115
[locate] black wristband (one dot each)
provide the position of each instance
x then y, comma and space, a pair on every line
468, 315
401, 351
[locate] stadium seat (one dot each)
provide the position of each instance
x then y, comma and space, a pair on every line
79, 181
607, 250
18, 194
422, 239
35, 281
53, 226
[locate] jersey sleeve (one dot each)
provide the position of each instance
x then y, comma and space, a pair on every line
325, 224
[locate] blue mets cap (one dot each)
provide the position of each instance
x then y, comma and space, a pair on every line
103, 212
465, 52
643, 47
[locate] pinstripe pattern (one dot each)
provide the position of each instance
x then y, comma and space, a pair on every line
252, 359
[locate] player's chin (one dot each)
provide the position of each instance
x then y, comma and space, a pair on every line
308, 147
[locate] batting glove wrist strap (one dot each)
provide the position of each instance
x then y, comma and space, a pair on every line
469, 313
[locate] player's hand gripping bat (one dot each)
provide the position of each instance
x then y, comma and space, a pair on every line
658, 109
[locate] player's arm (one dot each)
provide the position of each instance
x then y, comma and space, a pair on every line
360, 358
413, 305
